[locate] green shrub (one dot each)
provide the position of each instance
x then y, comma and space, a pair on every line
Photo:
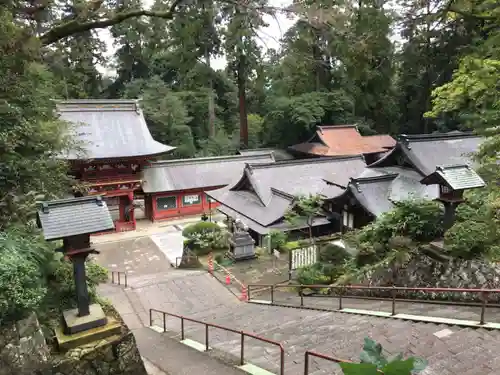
22, 287
476, 231
62, 284
200, 227
421, 221
278, 239
333, 254
291, 245
26, 261
312, 275
204, 237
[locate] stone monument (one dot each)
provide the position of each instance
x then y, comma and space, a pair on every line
72, 221
241, 244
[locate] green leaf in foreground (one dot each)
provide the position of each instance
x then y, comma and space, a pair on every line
419, 364
358, 368
399, 367
372, 353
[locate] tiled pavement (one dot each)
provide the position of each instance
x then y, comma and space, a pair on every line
195, 294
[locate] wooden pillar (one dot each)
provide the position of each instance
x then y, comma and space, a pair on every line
121, 204
132, 211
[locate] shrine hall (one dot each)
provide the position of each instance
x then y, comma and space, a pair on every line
114, 146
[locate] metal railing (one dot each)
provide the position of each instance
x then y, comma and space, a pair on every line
212, 325
310, 353
116, 278
342, 290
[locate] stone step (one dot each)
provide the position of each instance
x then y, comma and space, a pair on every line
331, 333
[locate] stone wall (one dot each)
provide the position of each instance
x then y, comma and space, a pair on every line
422, 270
24, 350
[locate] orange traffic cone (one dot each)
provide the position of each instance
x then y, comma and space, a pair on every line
228, 279
244, 296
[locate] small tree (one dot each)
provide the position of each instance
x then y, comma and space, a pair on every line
305, 209
278, 239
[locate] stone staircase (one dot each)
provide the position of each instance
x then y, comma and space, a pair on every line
449, 349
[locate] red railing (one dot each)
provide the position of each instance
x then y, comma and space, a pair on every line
116, 277
311, 353
212, 325
341, 290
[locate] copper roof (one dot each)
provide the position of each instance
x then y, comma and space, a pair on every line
344, 140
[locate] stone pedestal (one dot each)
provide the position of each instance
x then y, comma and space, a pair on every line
75, 323
242, 246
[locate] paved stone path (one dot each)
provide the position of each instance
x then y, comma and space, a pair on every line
197, 295
163, 355
138, 256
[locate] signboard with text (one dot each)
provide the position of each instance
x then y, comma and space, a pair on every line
190, 200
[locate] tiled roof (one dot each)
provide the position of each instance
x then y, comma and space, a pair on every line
266, 191
343, 140
306, 176
377, 189
71, 217
109, 129
194, 173
427, 151
279, 155
456, 177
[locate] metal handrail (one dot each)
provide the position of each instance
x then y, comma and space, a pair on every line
242, 334
394, 289
310, 353
118, 273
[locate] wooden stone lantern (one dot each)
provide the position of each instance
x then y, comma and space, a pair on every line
453, 181
72, 221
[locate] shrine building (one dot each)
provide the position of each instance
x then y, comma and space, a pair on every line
401, 175
174, 188
114, 146
343, 140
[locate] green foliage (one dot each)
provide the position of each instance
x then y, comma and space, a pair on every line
333, 259
200, 227
476, 231
62, 283
398, 230
25, 265
373, 360
312, 275
278, 239
33, 277
204, 237
419, 220
304, 210
291, 120
30, 137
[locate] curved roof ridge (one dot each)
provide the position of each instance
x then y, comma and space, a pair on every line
406, 138
208, 159
327, 127
325, 159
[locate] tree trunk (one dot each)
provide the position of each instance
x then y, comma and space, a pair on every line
242, 102
211, 101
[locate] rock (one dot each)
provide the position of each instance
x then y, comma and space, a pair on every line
28, 326
423, 271
24, 351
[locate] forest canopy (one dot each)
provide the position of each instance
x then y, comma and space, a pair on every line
368, 62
